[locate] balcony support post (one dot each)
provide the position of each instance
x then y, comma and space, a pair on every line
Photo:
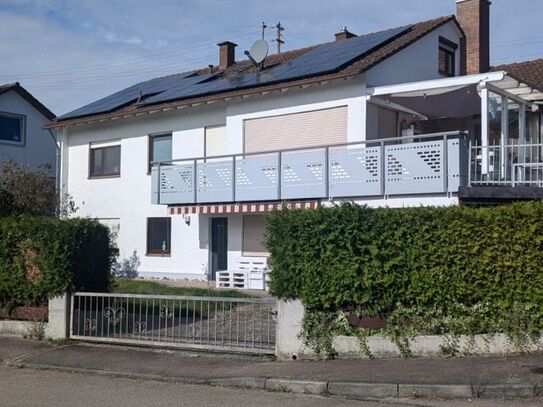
158, 184
327, 172
279, 174
195, 180
383, 168
484, 130
445, 164
233, 180
504, 139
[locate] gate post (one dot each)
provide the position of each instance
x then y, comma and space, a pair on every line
58, 326
288, 344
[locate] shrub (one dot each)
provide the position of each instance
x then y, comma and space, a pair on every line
127, 267
374, 260
44, 257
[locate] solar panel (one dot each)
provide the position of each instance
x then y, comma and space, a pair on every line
333, 56
320, 60
129, 95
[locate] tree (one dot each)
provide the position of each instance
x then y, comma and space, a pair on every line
31, 192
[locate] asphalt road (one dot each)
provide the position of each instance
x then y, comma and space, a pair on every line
27, 387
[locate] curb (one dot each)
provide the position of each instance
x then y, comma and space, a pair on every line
352, 390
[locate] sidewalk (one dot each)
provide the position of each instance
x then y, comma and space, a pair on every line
491, 377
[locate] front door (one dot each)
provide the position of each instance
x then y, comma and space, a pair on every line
219, 245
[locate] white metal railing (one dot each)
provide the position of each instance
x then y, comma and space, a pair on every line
422, 164
232, 324
506, 165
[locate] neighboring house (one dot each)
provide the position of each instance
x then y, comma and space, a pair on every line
22, 136
407, 116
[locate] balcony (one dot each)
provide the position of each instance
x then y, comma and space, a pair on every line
422, 165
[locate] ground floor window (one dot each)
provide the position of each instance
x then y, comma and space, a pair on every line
158, 236
254, 241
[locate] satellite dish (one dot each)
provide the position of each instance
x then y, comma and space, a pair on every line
259, 51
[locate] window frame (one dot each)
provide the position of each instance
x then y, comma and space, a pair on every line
22, 118
449, 49
159, 253
92, 149
150, 139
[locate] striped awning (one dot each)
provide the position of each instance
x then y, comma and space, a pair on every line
260, 207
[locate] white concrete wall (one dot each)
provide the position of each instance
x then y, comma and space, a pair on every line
417, 62
128, 196
39, 147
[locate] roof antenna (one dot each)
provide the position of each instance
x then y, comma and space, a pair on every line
264, 26
279, 36
140, 97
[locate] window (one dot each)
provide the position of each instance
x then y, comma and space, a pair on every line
215, 141
105, 160
12, 129
254, 241
160, 148
447, 60
158, 236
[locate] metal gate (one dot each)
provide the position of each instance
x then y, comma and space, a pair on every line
228, 324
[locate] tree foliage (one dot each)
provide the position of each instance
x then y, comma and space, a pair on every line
33, 193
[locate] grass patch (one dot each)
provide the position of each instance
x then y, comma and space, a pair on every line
128, 286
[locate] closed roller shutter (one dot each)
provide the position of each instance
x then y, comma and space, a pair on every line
317, 127
215, 139
254, 229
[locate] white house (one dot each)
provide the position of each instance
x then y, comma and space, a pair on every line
185, 166
22, 136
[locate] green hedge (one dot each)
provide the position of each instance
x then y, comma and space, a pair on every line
374, 260
41, 258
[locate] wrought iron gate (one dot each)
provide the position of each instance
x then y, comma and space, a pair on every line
228, 324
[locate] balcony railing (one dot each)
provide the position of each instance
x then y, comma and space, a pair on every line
424, 164
510, 165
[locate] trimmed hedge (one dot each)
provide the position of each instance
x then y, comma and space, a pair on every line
42, 257
374, 260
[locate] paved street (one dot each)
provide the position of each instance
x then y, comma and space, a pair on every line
27, 387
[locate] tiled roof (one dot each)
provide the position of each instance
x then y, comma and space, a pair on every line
356, 67
529, 72
40, 107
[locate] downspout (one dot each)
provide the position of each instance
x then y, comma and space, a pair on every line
57, 166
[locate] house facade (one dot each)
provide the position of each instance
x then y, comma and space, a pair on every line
183, 168
22, 136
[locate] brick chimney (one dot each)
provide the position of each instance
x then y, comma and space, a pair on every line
227, 54
344, 34
474, 18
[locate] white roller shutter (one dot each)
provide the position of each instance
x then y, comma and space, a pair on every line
215, 141
254, 229
305, 129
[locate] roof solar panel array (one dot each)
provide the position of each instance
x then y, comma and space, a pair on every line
320, 60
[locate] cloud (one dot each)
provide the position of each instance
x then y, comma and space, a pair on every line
70, 53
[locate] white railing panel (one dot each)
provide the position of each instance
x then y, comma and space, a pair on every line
303, 174
355, 171
414, 168
176, 183
257, 178
215, 181
457, 160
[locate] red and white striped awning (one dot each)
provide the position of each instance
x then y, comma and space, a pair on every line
261, 207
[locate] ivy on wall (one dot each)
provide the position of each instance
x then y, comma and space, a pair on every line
450, 270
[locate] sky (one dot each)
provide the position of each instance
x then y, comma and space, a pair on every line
68, 53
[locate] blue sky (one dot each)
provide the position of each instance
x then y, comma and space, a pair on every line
69, 53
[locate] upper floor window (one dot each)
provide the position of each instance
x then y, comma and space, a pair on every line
12, 129
160, 148
105, 159
447, 57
